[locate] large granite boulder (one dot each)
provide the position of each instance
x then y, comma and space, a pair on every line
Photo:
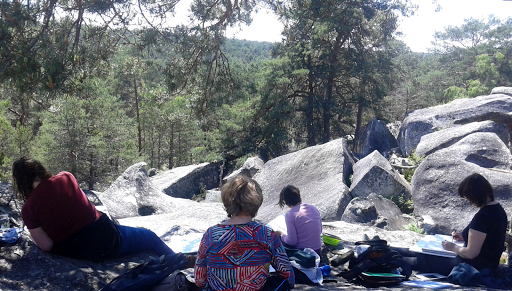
320, 172
375, 210
250, 168
432, 142
133, 194
374, 174
375, 136
495, 107
185, 182
435, 182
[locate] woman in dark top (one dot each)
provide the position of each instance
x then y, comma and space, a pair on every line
61, 220
484, 237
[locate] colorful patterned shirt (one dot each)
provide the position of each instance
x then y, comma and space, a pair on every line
237, 258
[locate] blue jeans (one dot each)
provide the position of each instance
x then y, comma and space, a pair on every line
136, 240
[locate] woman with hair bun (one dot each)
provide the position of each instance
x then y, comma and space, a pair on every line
235, 255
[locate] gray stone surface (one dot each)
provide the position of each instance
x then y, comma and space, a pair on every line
432, 142
374, 174
496, 107
133, 194
502, 90
252, 167
360, 211
24, 267
375, 210
185, 182
212, 196
435, 182
320, 172
375, 136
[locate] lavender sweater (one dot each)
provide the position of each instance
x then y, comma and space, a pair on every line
304, 227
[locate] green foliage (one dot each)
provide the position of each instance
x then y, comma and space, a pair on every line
414, 160
455, 92
405, 205
413, 227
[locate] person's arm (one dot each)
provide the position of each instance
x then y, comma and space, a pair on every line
200, 267
291, 237
41, 238
280, 261
475, 241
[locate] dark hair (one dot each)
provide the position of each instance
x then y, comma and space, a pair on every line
476, 189
290, 195
24, 172
241, 195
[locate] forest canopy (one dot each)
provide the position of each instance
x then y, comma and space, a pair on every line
91, 87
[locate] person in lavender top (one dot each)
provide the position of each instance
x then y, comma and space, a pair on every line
303, 221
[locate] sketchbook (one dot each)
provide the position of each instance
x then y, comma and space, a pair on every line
426, 284
432, 245
278, 223
188, 243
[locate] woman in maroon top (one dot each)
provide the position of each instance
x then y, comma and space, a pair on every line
61, 219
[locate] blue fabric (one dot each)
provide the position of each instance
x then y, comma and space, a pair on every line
466, 275
135, 240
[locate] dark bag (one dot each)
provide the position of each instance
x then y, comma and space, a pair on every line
148, 274
378, 258
177, 281
302, 258
275, 283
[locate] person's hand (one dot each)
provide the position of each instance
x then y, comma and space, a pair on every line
449, 246
457, 236
279, 233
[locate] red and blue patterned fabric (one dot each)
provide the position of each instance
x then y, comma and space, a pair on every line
237, 258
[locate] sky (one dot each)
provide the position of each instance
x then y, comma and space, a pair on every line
418, 30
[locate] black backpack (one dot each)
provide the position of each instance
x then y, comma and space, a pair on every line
148, 274
378, 258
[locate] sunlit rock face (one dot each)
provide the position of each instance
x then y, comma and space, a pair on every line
495, 107
320, 172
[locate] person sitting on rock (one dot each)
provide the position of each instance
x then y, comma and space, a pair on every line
61, 220
484, 237
236, 254
303, 222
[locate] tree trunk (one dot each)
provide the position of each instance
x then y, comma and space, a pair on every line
171, 147
139, 130
360, 108
327, 104
309, 109
91, 179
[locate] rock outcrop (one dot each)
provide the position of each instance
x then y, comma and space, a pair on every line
495, 107
185, 182
251, 167
375, 136
441, 139
377, 211
374, 174
435, 182
133, 194
320, 172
